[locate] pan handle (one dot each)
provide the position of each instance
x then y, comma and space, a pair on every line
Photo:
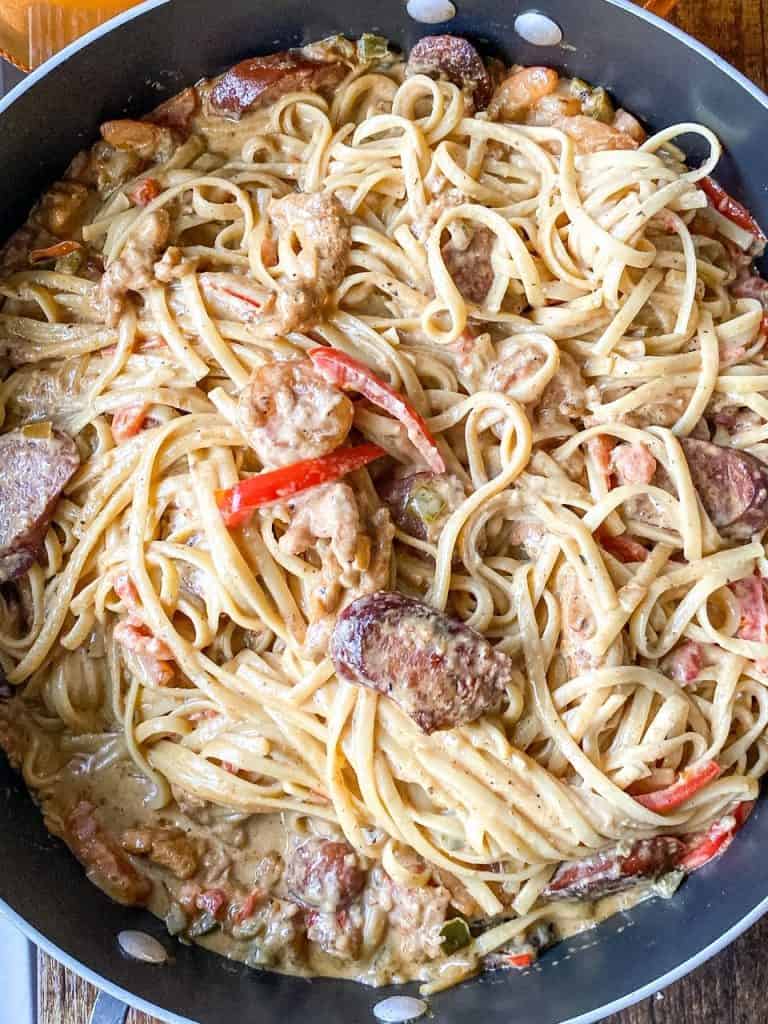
108, 1010
661, 7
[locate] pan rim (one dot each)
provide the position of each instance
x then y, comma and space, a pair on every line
591, 1016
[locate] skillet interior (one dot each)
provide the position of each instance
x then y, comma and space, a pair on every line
128, 71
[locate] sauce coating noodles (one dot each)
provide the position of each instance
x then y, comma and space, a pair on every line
561, 309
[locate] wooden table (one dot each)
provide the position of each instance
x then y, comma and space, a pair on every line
737, 29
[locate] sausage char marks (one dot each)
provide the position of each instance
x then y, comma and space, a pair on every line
439, 671
261, 80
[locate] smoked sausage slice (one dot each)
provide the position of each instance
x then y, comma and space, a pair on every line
732, 486
611, 871
439, 671
34, 470
261, 80
456, 60
324, 874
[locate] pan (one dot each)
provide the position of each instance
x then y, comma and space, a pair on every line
127, 67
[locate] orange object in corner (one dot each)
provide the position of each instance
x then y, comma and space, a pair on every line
32, 31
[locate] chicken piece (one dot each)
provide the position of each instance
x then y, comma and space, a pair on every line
525, 538
565, 397
319, 224
104, 168
62, 209
368, 572
338, 933
288, 412
167, 847
150, 142
417, 916
134, 269
550, 109
664, 413
578, 626
328, 512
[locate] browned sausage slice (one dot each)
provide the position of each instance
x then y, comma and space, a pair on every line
732, 485
261, 80
610, 871
324, 874
471, 268
33, 473
440, 672
455, 59
420, 503
177, 112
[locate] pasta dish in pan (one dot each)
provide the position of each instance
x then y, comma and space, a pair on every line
382, 509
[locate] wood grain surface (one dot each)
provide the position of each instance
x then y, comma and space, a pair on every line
730, 989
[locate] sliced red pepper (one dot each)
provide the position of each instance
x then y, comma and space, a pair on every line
520, 960
717, 838
247, 299
252, 903
238, 502
690, 781
351, 375
128, 421
600, 448
212, 901
730, 208
622, 546
144, 191
53, 252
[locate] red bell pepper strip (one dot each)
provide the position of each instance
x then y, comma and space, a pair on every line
351, 375
730, 208
238, 502
144, 191
690, 781
621, 546
520, 960
600, 448
128, 421
717, 838
53, 252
